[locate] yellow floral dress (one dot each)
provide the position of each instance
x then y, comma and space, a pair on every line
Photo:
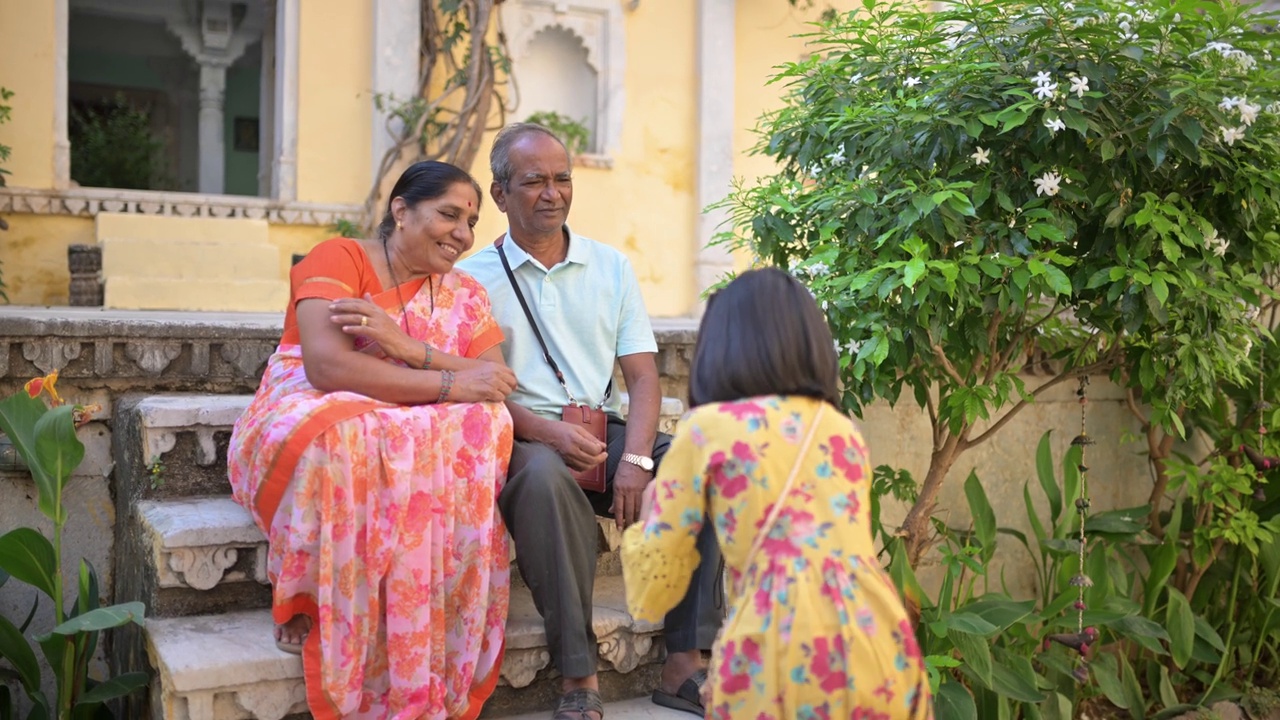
818, 630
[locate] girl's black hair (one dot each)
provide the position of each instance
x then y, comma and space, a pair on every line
426, 180
763, 334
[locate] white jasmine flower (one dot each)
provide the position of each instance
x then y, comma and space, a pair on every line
818, 268
1054, 125
837, 157
911, 81
981, 156
1068, 6
1231, 135
1248, 113
1177, 18
857, 77
1215, 242
1048, 184
1045, 92
1079, 85
1042, 79
1229, 103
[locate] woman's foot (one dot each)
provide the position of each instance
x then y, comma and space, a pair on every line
291, 635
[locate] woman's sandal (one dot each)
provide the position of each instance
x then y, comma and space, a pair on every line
291, 647
581, 702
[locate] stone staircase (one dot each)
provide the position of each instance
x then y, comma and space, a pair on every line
196, 263
194, 556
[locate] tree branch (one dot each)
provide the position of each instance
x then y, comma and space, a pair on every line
1061, 377
946, 364
1132, 402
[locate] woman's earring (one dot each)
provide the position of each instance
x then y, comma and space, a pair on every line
399, 226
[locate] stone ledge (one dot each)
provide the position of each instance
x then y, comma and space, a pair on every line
196, 542
230, 661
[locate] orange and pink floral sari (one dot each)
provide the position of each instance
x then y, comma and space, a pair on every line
381, 518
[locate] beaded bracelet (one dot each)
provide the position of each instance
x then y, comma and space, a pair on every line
426, 364
446, 384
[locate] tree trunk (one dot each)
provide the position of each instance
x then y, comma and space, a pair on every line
916, 530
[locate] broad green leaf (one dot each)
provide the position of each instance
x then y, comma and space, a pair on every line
969, 623
976, 652
984, 519
1106, 672
1000, 611
1135, 700
1013, 677
1206, 632
912, 272
103, 619
1056, 707
1160, 288
1108, 150
19, 414
1164, 559
15, 648
1145, 632
953, 702
1168, 697
118, 686
28, 556
1048, 483
1058, 281
1128, 521
1182, 628
58, 450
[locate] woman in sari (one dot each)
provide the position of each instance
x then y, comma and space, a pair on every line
371, 456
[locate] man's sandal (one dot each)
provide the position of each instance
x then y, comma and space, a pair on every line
688, 698
575, 705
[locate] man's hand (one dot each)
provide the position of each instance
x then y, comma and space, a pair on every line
629, 483
580, 449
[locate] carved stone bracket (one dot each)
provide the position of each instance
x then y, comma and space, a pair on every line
248, 358
625, 650
157, 442
49, 354
153, 357
201, 568
520, 667
271, 701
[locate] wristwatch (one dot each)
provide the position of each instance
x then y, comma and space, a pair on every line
640, 461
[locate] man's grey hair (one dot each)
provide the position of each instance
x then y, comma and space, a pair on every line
500, 155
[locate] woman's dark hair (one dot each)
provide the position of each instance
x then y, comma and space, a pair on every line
763, 334
426, 180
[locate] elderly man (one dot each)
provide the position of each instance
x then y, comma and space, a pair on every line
585, 300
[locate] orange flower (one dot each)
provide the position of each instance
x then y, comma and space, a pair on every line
84, 413
47, 383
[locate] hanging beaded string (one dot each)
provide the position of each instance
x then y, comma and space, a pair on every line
1081, 580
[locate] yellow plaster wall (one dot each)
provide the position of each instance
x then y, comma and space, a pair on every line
27, 68
645, 204
292, 239
335, 102
34, 251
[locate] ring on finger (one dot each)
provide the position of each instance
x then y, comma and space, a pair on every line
364, 321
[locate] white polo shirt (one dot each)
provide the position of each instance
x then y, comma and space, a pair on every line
588, 308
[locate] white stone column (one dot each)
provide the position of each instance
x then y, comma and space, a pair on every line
213, 87
397, 28
61, 99
716, 80
284, 166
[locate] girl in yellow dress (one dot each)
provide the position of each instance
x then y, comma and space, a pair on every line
815, 627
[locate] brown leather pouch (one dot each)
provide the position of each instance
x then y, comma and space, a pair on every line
597, 423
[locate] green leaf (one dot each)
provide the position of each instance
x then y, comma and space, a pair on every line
1145, 632
1013, 677
976, 652
1163, 560
1182, 628
1205, 632
103, 619
19, 414
913, 271
116, 687
28, 556
953, 702
999, 610
1057, 707
1075, 121
1168, 697
1160, 288
1044, 472
984, 519
969, 623
1135, 701
1107, 674
58, 450
1128, 521
1108, 150
15, 648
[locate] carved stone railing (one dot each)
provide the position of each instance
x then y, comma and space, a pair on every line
160, 352
88, 202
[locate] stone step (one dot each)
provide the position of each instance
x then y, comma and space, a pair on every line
145, 292
641, 708
173, 258
176, 445
206, 555
227, 666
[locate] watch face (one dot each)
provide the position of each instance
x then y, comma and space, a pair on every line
646, 464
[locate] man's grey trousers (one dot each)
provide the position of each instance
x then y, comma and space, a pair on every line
552, 523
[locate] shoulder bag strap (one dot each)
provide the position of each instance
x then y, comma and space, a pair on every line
546, 353
769, 522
